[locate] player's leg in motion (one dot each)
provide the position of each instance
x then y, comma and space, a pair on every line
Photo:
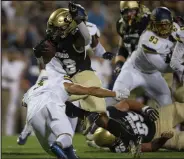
129, 78
105, 122
74, 120
158, 88
54, 131
26, 132
170, 116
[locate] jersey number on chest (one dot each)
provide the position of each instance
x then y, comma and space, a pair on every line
139, 122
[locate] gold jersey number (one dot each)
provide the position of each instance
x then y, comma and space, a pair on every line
153, 39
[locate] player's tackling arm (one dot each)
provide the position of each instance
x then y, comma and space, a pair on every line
82, 90
126, 105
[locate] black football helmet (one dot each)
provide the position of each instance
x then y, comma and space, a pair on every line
161, 22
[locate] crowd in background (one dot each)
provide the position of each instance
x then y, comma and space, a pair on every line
24, 25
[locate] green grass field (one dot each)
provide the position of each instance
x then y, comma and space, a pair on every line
32, 150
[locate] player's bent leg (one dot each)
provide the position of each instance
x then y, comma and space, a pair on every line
169, 116
128, 79
61, 127
178, 113
177, 142
165, 120
179, 94
74, 120
158, 89
26, 132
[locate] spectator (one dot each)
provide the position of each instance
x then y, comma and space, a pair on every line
13, 67
95, 16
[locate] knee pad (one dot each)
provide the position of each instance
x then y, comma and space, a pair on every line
64, 140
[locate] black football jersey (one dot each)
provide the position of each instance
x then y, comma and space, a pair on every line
72, 61
139, 122
131, 34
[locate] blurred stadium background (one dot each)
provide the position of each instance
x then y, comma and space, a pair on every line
24, 25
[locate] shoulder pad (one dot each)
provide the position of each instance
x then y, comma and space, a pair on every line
92, 28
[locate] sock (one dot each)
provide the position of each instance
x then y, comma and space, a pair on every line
72, 111
93, 129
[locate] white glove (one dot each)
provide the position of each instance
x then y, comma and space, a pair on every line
122, 94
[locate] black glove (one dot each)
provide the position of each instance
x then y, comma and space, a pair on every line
118, 67
37, 50
168, 58
46, 50
39, 47
77, 12
150, 112
108, 55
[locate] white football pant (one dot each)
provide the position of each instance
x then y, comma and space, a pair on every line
154, 84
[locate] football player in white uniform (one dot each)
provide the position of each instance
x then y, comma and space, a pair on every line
69, 50
95, 44
177, 64
45, 103
151, 58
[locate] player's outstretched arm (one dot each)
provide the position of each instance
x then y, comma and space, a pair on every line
77, 89
94, 91
128, 104
157, 143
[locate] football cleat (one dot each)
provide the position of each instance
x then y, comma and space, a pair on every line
86, 126
22, 139
57, 150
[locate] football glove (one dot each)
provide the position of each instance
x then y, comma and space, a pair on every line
118, 67
150, 112
122, 94
77, 12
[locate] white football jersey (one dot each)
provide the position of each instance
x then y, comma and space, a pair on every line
151, 44
45, 91
177, 60
93, 30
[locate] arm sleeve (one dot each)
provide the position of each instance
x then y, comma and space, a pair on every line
84, 32
99, 50
177, 57
157, 61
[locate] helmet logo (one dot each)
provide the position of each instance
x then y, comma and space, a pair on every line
68, 19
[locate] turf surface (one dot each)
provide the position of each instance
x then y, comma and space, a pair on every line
32, 150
